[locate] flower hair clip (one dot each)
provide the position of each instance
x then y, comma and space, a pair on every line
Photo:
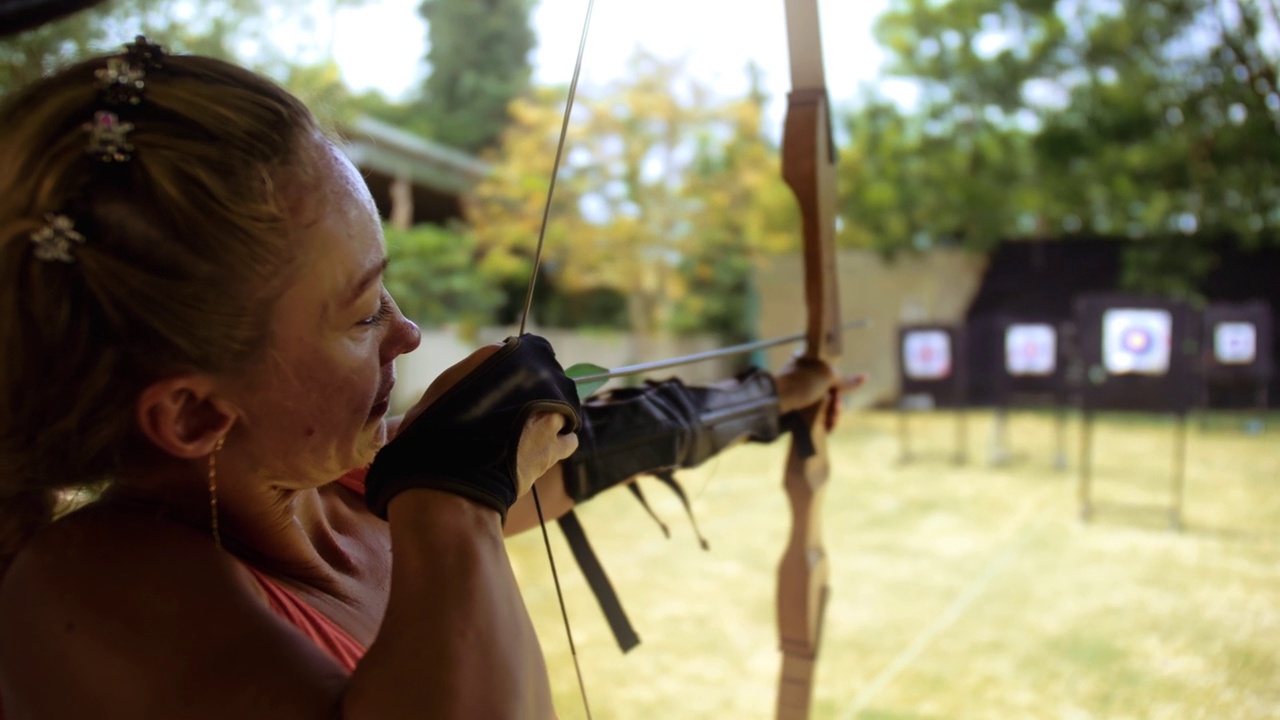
144, 54
124, 78
121, 82
108, 137
55, 240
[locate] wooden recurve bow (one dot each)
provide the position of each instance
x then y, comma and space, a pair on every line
808, 167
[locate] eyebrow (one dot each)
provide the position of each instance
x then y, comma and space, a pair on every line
366, 279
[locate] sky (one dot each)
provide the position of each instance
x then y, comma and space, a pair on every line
380, 43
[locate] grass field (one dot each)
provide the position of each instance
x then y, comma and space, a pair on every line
958, 592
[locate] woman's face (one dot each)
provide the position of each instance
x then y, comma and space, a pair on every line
316, 407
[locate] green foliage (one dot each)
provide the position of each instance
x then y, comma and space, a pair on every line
1148, 119
478, 51
236, 30
436, 279
906, 186
664, 197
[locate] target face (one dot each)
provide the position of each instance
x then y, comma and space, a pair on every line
1136, 342
927, 355
1235, 343
1030, 349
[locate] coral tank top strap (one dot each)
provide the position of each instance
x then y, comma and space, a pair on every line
310, 622
354, 480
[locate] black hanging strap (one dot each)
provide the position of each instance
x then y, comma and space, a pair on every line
669, 479
598, 581
635, 490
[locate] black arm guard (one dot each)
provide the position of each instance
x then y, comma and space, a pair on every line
664, 426
465, 442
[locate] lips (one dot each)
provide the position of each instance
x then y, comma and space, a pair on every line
383, 401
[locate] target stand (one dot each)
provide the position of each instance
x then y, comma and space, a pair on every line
1032, 374
931, 365
1138, 354
1236, 358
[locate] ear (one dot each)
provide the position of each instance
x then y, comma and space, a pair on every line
182, 416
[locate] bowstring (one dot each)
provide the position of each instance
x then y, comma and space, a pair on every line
524, 319
555, 168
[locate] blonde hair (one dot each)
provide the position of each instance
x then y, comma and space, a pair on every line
185, 247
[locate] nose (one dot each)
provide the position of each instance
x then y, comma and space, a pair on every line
403, 336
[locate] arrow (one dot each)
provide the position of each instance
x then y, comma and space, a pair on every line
628, 370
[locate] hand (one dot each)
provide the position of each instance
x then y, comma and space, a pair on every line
542, 444
804, 382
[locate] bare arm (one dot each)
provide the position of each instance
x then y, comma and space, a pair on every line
155, 622
470, 652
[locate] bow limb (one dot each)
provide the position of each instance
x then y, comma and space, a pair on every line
808, 167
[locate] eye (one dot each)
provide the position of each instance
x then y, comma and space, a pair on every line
381, 316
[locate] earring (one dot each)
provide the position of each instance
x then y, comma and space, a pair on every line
213, 493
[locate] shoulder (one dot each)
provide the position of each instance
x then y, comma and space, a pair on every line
134, 617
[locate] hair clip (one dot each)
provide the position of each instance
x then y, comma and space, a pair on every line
55, 240
108, 137
121, 81
124, 77
144, 54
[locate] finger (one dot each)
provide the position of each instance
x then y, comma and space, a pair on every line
566, 445
833, 410
552, 423
851, 382
547, 430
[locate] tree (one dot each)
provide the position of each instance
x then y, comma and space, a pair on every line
659, 183
1140, 118
434, 276
209, 27
906, 185
740, 209
478, 53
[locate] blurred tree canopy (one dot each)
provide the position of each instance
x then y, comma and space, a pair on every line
435, 278
1138, 118
237, 30
663, 195
478, 54
240, 31
1153, 120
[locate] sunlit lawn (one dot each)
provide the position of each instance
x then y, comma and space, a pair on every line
957, 592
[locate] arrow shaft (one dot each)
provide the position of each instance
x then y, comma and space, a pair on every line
628, 370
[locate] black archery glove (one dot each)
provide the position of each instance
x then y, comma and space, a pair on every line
466, 441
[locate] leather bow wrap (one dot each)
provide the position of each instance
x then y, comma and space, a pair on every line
667, 425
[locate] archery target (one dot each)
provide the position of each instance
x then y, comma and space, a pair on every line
1235, 343
1136, 342
1030, 349
927, 355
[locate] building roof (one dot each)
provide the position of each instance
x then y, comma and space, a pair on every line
377, 146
